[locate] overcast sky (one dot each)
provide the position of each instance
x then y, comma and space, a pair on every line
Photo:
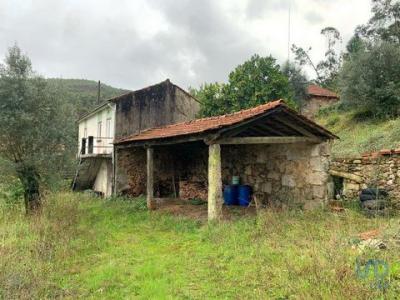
134, 43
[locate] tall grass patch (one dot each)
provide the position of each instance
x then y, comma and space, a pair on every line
84, 247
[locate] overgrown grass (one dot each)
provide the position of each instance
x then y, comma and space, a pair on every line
359, 133
83, 247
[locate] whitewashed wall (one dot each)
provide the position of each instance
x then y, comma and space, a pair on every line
89, 126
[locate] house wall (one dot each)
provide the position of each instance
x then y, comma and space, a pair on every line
155, 106
102, 145
362, 172
313, 104
103, 181
277, 173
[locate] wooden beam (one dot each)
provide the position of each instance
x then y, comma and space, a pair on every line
233, 130
267, 140
214, 183
269, 128
150, 179
295, 127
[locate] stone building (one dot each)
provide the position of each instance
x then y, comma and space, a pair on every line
317, 98
157, 105
281, 154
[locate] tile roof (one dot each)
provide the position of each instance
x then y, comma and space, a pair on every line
315, 90
205, 124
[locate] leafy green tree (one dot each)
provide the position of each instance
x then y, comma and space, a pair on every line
35, 128
298, 82
256, 81
370, 80
384, 24
212, 98
354, 45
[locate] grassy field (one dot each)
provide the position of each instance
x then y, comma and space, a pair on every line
359, 133
83, 247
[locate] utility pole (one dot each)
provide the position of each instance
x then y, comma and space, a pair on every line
288, 42
98, 92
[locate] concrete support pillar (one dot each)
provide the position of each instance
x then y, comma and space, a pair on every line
150, 179
214, 183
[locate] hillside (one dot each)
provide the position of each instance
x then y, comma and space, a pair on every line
82, 93
359, 133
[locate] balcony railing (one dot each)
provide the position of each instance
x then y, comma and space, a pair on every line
96, 145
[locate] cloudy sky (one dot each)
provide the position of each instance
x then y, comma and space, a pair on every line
134, 43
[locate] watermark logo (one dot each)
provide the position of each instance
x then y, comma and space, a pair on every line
376, 270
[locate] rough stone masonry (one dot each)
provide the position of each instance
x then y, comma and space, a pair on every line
377, 170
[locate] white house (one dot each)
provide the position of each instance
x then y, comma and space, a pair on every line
96, 135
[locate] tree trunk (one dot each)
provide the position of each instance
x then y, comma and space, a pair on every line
29, 178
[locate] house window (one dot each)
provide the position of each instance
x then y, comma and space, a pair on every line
108, 127
99, 130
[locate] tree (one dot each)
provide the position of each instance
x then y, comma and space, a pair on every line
256, 81
298, 82
212, 99
384, 24
354, 45
35, 133
326, 70
370, 80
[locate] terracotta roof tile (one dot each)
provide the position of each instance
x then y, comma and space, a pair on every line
201, 125
315, 90
205, 124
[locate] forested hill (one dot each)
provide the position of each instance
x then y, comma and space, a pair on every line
82, 93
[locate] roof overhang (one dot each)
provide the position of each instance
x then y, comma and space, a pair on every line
277, 120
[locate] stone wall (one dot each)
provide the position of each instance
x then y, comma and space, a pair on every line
281, 173
277, 173
175, 164
377, 170
155, 106
313, 104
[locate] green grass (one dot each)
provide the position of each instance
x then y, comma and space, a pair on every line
360, 134
83, 247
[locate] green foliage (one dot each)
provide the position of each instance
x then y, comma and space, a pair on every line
256, 81
212, 98
298, 82
38, 129
82, 93
370, 80
35, 129
384, 24
326, 70
82, 247
359, 134
11, 191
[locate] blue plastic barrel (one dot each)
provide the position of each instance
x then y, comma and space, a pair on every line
231, 194
244, 193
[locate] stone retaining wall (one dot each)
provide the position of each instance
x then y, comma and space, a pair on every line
377, 170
